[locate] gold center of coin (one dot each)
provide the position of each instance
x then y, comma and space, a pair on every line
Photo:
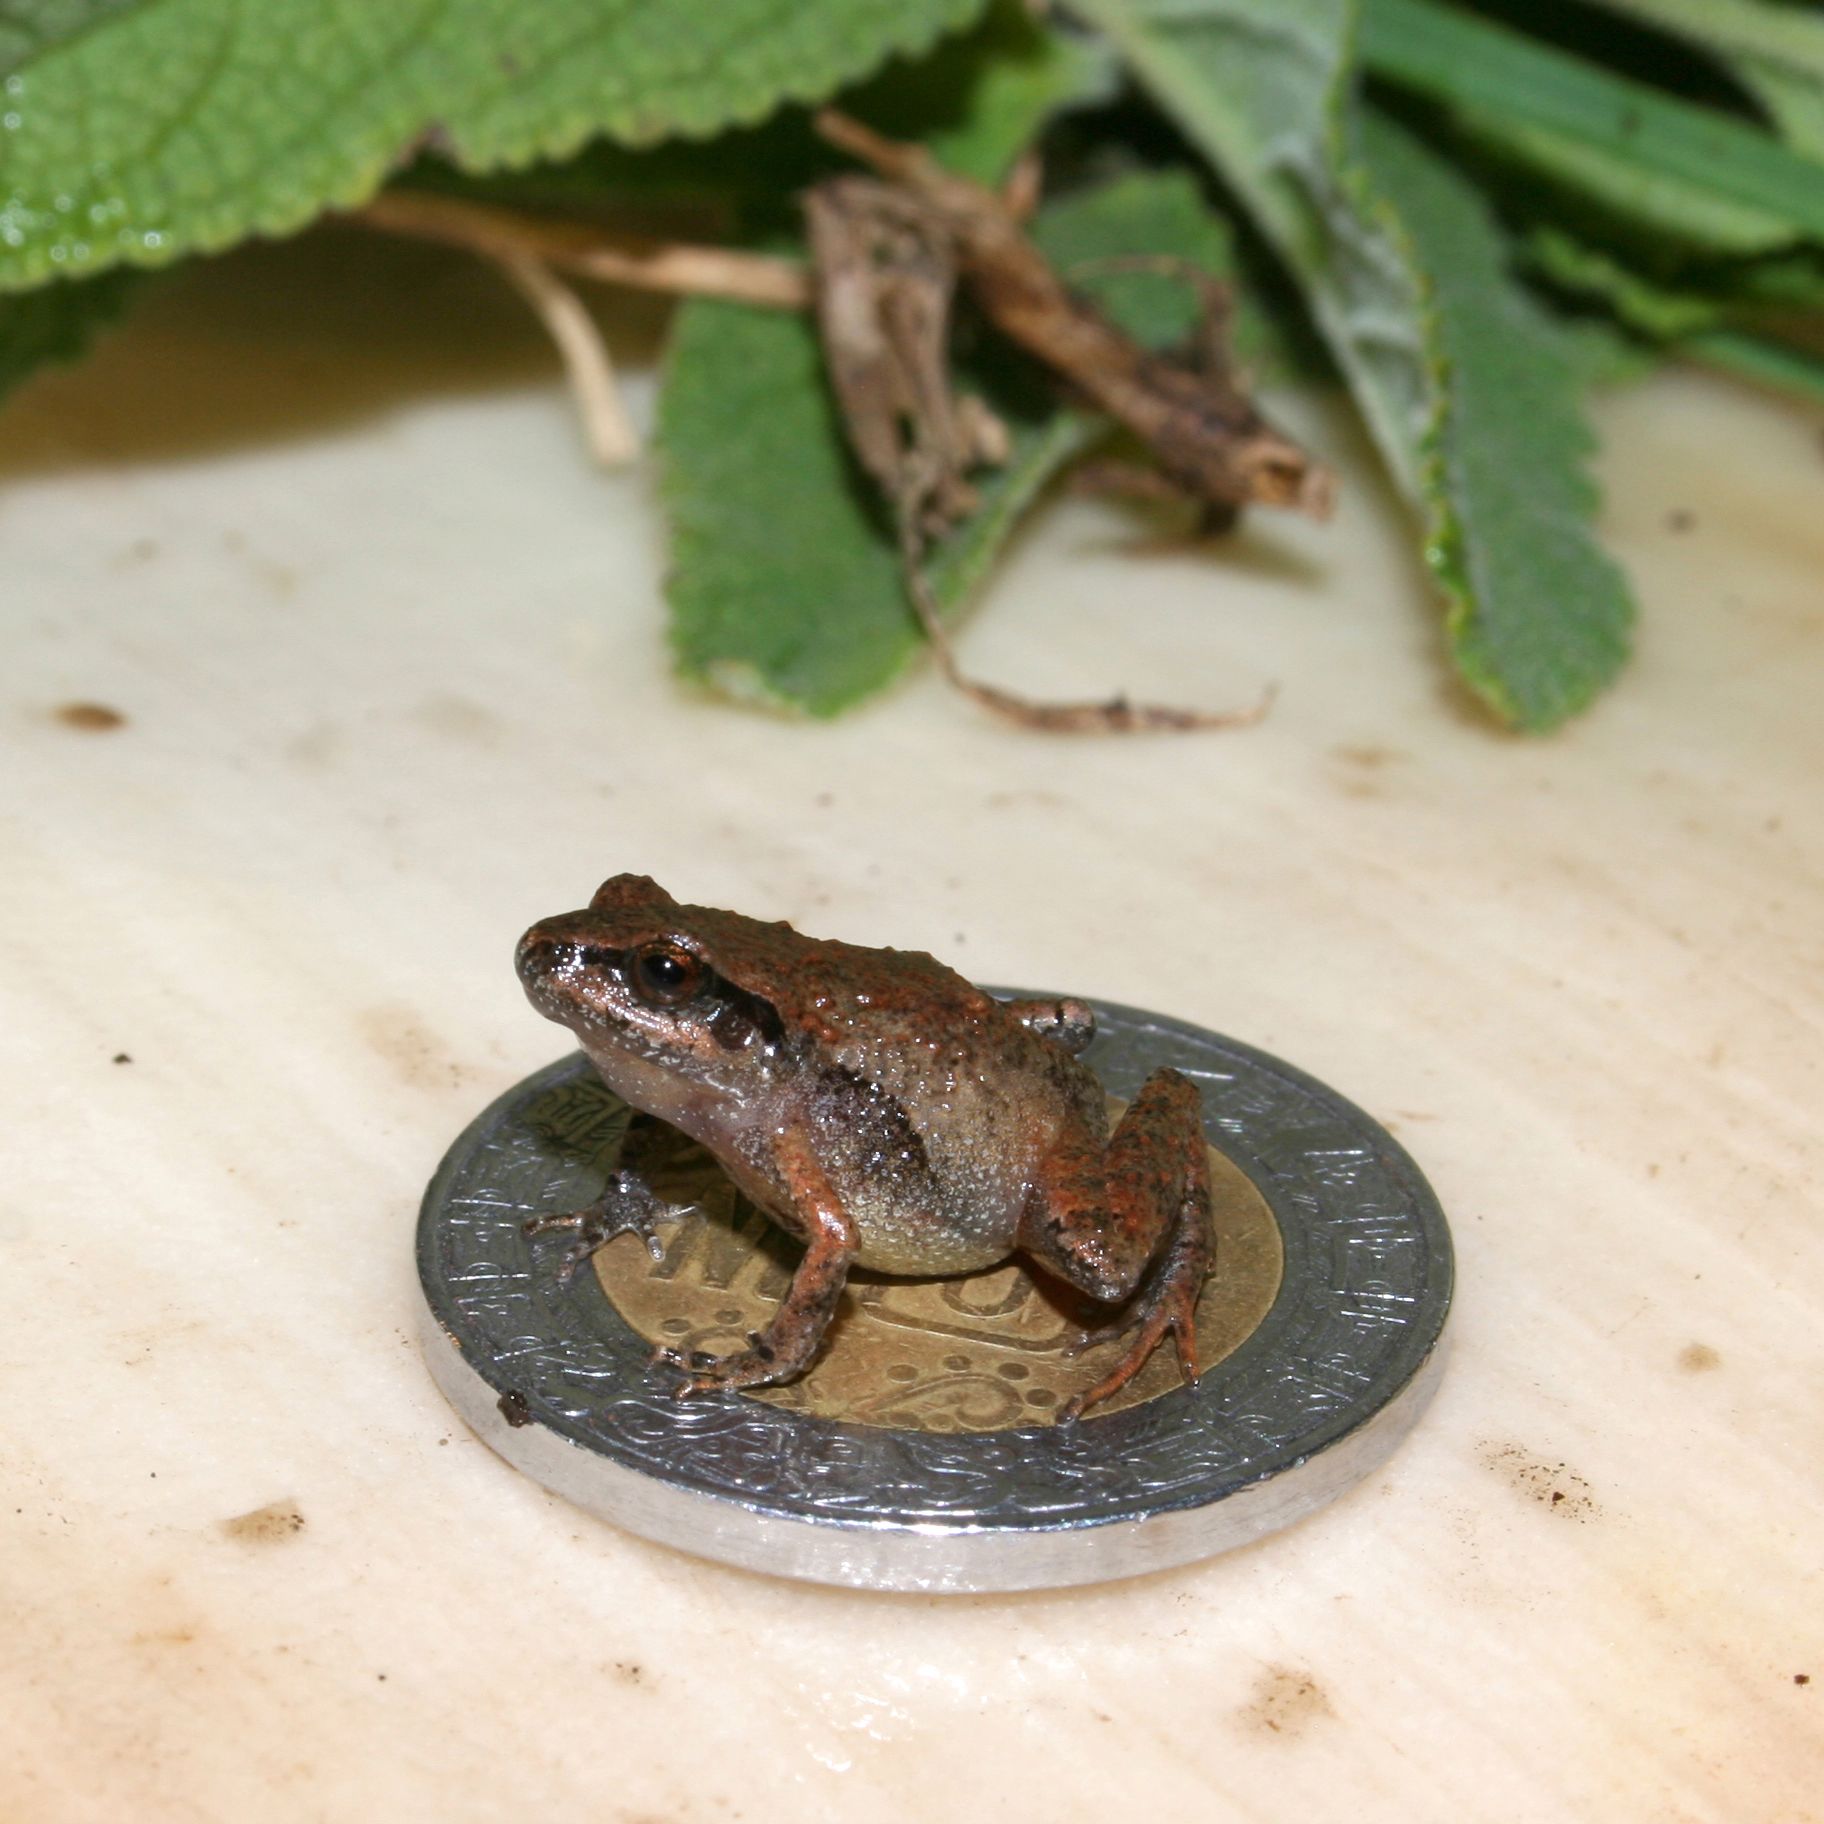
973, 1354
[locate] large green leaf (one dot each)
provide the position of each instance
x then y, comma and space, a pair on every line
1539, 616
1415, 321
28, 28
784, 583
139, 133
974, 102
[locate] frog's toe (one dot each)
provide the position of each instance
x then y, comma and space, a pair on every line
1104, 1333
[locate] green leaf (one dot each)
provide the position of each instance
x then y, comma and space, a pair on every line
1416, 312
56, 322
1162, 209
1486, 74
1771, 364
978, 100
1663, 312
1622, 200
1604, 354
784, 584
1728, 317
1539, 616
1775, 52
179, 125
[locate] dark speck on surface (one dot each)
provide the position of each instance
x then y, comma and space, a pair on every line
513, 1408
121, 1057
91, 718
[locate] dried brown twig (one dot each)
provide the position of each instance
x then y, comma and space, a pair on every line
887, 257
1199, 424
1116, 715
527, 248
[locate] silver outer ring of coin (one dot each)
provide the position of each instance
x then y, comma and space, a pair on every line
1320, 1395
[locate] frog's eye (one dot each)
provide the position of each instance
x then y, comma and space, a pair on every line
663, 975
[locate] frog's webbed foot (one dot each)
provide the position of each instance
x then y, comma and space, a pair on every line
758, 1365
627, 1205
1165, 1305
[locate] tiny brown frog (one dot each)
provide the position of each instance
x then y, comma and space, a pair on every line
881, 1109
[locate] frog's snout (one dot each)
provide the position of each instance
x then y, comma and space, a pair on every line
555, 961
539, 953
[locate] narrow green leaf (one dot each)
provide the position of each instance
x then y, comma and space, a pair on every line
1775, 52
1771, 364
1258, 86
1539, 616
784, 582
1484, 73
57, 322
1730, 317
1661, 311
222, 121
1437, 344
1630, 201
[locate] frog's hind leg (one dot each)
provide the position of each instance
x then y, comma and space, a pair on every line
1132, 1222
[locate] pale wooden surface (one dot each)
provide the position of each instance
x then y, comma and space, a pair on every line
392, 663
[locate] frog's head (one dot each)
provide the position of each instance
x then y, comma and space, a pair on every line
637, 978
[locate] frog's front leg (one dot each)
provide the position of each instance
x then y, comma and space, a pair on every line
628, 1204
1105, 1214
785, 1347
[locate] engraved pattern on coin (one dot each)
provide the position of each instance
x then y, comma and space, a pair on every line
1367, 1272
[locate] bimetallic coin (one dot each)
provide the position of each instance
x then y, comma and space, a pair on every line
918, 1452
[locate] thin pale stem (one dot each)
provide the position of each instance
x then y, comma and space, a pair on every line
642, 262
612, 439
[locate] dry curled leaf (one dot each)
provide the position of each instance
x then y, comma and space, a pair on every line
1194, 416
